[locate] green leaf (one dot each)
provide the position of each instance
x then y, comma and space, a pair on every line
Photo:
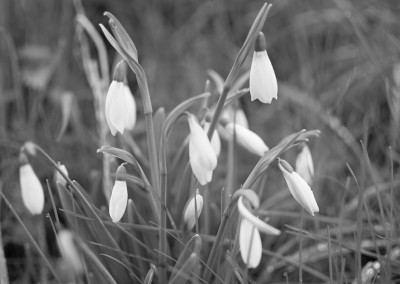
179, 109
183, 274
192, 246
122, 36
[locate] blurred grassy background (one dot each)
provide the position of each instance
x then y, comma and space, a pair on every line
334, 62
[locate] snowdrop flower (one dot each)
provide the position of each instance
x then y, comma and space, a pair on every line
119, 196
249, 235
69, 252
304, 165
31, 188
189, 216
299, 188
58, 177
248, 139
120, 104
215, 140
263, 84
202, 157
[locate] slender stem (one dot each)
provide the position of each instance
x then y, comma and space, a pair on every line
219, 237
3, 264
218, 111
163, 215
301, 248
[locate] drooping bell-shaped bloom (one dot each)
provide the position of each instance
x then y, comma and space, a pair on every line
305, 165
263, 83
69, 251
202, 157
249, 235
215, 140
299, 188
120, 104
119, 196
31, 188
189, 215
248, 139
250, 244
58, 177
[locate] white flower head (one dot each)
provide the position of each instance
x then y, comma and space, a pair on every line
305, 165
120, 104
119, 196
202, 157
58, 177
299, 188
263, 84
249, 233
215, 140
69, 251
189, 216
248, 139
31, 188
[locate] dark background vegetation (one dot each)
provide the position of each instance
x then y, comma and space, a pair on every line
334, 62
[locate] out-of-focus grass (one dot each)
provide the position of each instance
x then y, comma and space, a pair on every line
333, 61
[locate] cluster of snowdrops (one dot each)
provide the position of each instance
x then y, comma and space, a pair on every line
204, 145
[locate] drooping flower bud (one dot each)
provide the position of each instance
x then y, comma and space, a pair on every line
120, 104
31, 188
299, 188
249, 234
263, 84
189, 216
248, 139
58, 177
119, 196
69, 252
305, 165
215, 140
250, 244
202, 157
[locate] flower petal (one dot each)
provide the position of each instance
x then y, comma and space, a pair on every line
248, 139
203, 159
215, 140
250, 244
130, 119
305, 165
31, 190
115, 87
189, 216
263, 84
118, 200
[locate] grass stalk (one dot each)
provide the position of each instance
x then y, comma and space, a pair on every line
3, 264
